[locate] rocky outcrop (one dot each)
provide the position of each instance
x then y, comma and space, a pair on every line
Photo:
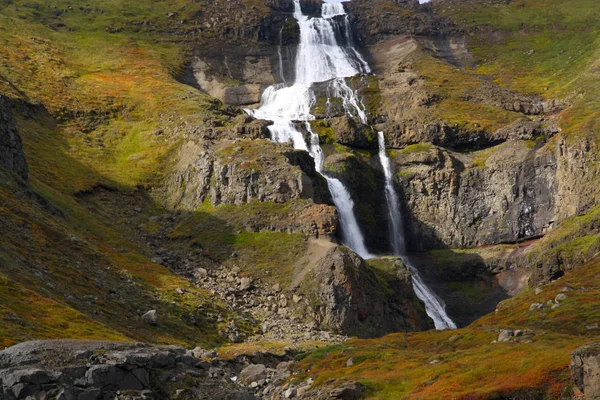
11, 148
236, 172
585, 371
281, 5
351, 132
355, 298
67, 369
364, 179
453, 203
377, 20
237, 75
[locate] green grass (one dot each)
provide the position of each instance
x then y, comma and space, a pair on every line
220, 231
62, 257
415, 148
468, 365
548, 48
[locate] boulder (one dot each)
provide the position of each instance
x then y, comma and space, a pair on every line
585, 370
353, 300
505, 335
150, 318
253, 373
349, 391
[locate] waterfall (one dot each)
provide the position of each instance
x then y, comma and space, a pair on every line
394, 217
325, 54
351, 235
434, 306
280, 56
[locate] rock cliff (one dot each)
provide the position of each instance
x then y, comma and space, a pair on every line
585, 370
69, 369
359, 299
11, 148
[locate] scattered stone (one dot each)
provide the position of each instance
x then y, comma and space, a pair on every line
536, 306
200, 272
245, 284
252, 373
302, 390
277, 288
150, 318
566, 289
350, 362
199, 352
538, 290
592, 326
434, 362
505, 335
350, 391
560, 297
289, 393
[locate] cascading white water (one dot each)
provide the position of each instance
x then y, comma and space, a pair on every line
396, 234
325, 54
351, 235
434, 306
280, 56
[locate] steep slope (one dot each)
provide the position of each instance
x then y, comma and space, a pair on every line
141, 185
146, 193
521, 351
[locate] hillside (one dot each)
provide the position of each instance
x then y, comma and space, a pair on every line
134, 183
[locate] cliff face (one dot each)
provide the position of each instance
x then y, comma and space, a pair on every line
11, 148
363, 300
450, 204
585, 370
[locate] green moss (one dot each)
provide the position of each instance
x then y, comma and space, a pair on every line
323, 129
480, 157
415, 148
221, 231
572, 242
467, 363
546, 48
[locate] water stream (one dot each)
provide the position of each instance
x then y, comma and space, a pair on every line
434, 306
325, 54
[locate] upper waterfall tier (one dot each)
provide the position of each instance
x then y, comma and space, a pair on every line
326, 48
325, 54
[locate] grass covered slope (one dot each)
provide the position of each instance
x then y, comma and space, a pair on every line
66, 274
548, 48
465, 363
97, 105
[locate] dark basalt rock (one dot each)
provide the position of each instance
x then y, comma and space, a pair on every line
352, 300
11, 148
70, 369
